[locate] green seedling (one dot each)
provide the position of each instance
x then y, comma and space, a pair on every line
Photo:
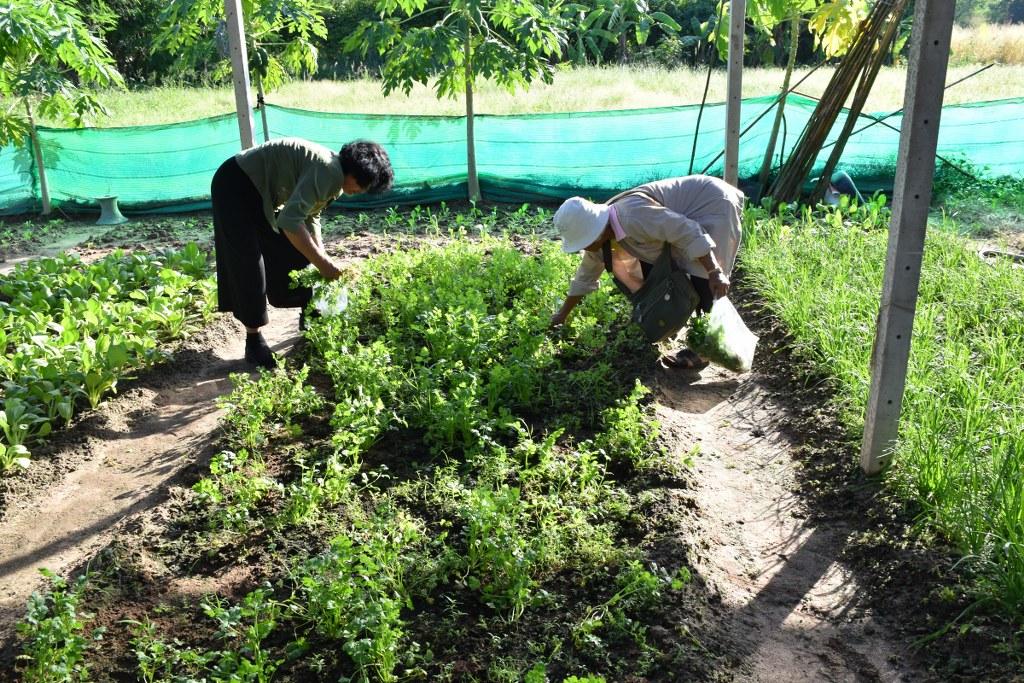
13, 456
53, 631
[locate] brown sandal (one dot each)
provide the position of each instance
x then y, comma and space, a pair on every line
684, 359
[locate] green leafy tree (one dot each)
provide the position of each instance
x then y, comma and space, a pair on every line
130, 39
1007, 11
614, 22
280, 38
509, 41
51, 59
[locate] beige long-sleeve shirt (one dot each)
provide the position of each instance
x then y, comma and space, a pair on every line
297, 180
695, 214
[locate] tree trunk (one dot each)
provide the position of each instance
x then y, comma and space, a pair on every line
474, 182
261, 104
37, 149
794, 43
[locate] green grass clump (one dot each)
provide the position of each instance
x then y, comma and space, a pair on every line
960, 454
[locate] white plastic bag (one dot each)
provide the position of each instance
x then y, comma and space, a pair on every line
330, 299
726, 341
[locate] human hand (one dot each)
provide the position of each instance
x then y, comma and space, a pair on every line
719, 284
558, 319
329, 270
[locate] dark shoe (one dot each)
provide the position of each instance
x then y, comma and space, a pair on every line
684, 359
258, 353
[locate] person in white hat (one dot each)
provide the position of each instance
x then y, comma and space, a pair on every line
699, 216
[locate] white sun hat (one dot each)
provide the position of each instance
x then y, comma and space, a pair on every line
580, 222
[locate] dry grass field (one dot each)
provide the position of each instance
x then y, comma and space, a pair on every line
586, 89
1002, 44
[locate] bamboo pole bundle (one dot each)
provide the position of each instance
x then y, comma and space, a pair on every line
858, 69
859, 98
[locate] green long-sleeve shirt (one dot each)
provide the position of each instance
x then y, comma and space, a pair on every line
296, 178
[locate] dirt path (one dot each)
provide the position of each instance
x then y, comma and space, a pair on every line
135, 447
793, 605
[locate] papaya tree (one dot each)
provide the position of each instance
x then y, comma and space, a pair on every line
51, 58
455, 43
279, 37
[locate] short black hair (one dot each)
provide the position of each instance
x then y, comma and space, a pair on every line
368, 163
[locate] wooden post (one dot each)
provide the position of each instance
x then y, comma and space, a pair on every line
929, 55
240, 69
734, 91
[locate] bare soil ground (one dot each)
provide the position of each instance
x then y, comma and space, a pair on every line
807, 572
794, 604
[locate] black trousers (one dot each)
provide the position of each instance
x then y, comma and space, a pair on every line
700, 284
253, 261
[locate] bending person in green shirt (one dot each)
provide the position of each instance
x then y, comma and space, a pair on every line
267, 202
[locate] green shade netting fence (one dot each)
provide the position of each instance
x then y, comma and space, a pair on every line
533, 157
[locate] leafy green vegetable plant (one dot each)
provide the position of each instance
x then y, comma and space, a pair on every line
72, 330
52, 629
354, 593
18, 420
638, 588
258, 408
245, 625
242, 628
630, 433
499, 555
237, 483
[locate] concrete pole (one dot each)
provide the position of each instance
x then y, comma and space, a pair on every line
915, 167
240, 70
734, 92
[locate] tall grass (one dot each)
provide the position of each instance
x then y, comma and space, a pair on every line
999, 43
585, 89
961, 444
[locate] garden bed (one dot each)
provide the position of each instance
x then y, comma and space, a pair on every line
591, 559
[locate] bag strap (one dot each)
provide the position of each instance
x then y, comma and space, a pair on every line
634, 190
664, 264
606, 250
